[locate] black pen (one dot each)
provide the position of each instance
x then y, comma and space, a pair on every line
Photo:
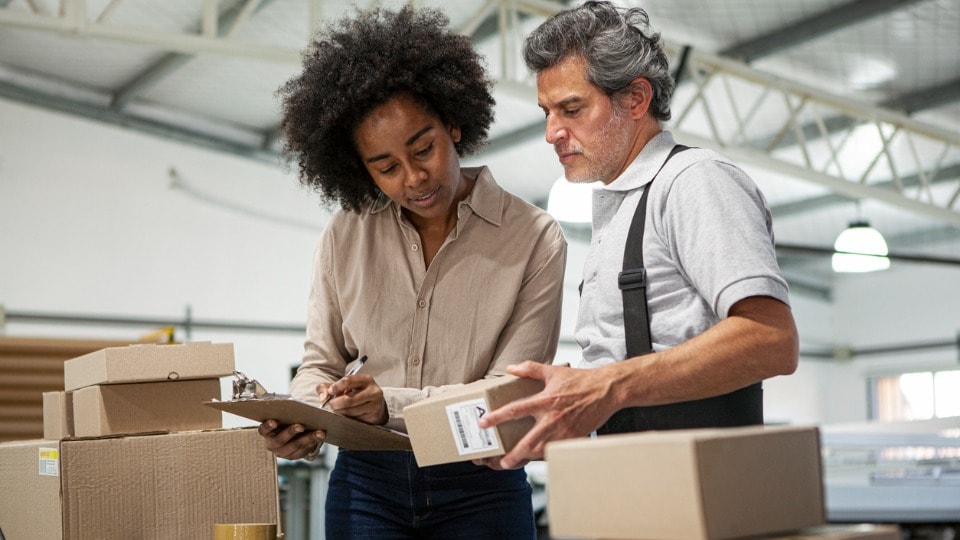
353, 371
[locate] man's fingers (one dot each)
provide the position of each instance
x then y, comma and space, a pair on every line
529, 448
529, 369
511, 411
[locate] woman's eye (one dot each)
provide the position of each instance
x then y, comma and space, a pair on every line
388, 170
425, 151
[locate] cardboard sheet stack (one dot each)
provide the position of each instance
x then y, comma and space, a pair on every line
129, 451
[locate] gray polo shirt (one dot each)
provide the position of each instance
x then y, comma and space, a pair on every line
708, 244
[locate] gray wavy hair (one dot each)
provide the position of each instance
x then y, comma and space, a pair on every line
616, 43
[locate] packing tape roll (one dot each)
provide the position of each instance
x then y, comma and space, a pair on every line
244, 531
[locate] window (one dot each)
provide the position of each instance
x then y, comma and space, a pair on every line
917, 396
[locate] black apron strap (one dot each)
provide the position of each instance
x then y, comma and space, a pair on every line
739, 408
633, 278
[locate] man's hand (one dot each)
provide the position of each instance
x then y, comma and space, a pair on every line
573, 403
291, 442
357, 396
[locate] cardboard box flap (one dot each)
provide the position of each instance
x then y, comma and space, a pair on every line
341, 431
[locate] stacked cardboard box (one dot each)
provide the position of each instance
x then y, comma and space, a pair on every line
138, 389
105, 472
158, 486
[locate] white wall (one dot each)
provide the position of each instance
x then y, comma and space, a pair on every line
91, 224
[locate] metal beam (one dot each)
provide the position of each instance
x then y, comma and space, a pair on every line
73, 20
927, 98
31, 96
813, 203
812, 28
171, 62
829, 251
727, 82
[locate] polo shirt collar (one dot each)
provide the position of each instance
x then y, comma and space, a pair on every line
645, 165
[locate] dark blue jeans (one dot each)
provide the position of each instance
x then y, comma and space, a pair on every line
384, 495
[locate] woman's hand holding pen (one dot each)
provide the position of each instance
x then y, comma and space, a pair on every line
356, 396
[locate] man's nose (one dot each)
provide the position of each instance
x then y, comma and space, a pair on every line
555, 131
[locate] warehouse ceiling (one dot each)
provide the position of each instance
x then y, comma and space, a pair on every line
839, 109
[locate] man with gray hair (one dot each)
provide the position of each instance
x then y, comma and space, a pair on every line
683, 309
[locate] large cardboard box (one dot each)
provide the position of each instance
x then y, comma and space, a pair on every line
113, 409
444, 428
146, 487
145, 363
686, 484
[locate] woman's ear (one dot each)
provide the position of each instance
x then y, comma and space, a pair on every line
455, 133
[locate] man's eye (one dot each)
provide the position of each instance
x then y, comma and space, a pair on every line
571, 112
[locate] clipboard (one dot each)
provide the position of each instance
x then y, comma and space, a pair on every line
342, 431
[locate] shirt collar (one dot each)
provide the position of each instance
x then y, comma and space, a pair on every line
645, 165
485, 199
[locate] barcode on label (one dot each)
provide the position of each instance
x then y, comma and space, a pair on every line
464, 443
464, 420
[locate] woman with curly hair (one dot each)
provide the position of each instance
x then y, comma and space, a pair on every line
430, 269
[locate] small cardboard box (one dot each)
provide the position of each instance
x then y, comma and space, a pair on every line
113, 409
149, 362
57, 415
444, 429
147, 487
686, 484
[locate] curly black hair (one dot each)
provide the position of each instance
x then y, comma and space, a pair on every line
360, 63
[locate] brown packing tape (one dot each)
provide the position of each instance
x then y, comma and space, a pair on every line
244, 531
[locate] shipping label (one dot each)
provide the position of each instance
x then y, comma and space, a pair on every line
49, 462
464, 420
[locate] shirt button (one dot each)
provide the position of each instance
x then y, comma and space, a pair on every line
422, 303
414, 247
415, 361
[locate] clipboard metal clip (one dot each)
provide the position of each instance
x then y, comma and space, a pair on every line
245, 388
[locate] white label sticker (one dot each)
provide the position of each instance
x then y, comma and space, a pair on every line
49, 462
465, 425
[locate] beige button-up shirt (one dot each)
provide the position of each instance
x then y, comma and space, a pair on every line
490, 298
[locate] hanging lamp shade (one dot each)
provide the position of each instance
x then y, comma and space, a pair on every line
860, 248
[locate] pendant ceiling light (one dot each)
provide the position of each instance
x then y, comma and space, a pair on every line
860, 248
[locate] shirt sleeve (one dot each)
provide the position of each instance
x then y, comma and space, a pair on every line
722, 236
533, 328
325, 353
